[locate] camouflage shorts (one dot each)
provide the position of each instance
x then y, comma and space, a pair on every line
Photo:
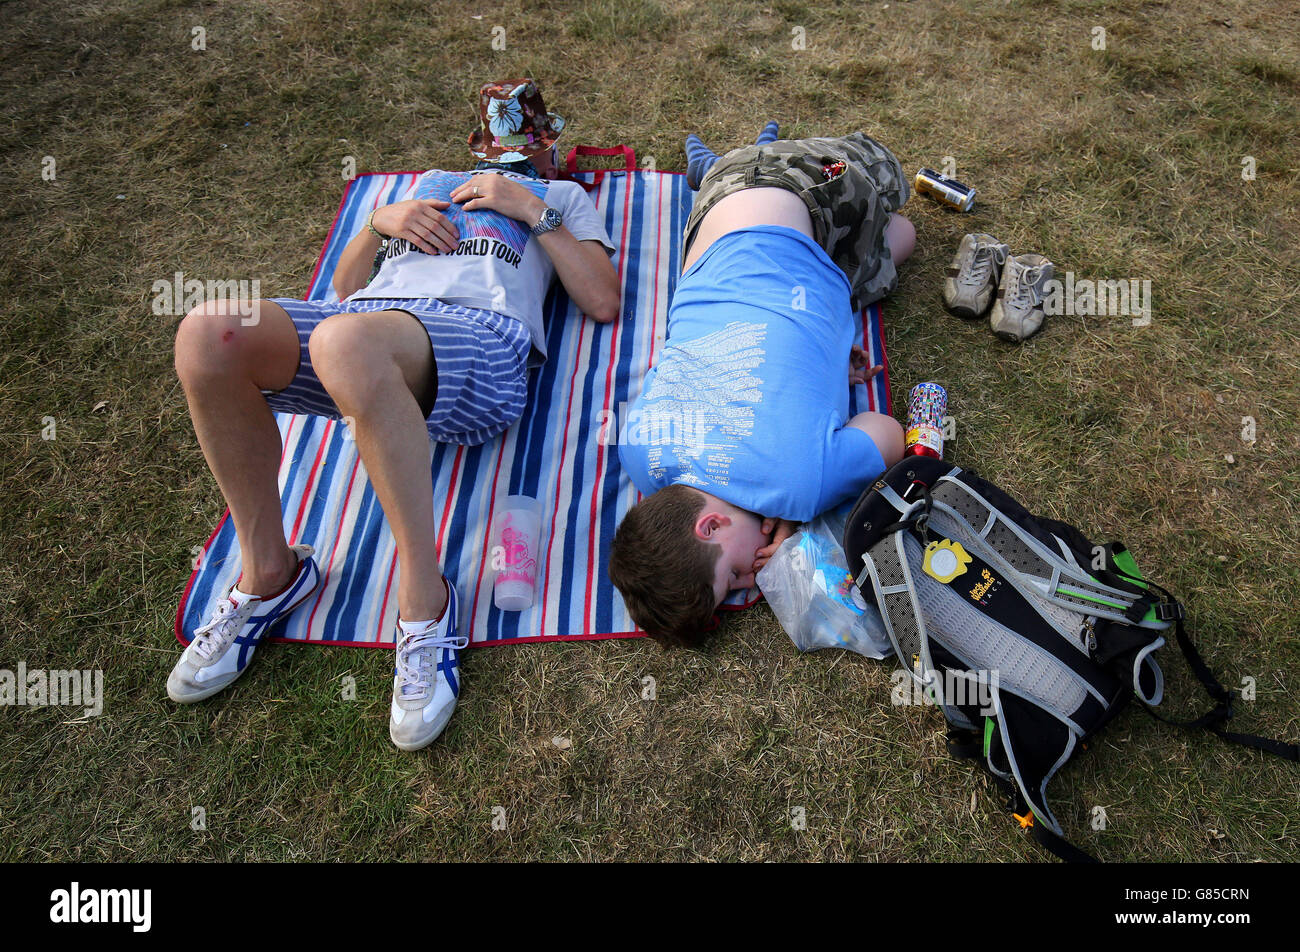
849, 210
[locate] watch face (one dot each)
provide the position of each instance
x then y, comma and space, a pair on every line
551, 220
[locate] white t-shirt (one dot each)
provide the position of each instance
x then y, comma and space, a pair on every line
497, 266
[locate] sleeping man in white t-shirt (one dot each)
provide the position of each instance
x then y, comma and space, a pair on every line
437, 344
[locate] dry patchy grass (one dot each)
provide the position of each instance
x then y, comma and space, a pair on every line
1116, 163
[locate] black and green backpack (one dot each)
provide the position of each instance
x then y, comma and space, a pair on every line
1029, 636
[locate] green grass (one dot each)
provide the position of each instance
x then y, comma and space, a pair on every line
1117, 163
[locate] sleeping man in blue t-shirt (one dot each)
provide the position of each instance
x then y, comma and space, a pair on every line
742, 429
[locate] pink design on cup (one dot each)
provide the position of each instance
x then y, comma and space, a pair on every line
520, 564
515, 554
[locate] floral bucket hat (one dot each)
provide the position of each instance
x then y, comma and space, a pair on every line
513, 122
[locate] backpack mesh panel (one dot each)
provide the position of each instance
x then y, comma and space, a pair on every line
899, 609
1022, 558
887, 565
971, 510
983, 644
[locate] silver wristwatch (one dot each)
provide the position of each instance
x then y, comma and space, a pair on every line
551, 219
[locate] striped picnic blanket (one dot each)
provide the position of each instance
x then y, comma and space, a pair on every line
562, 452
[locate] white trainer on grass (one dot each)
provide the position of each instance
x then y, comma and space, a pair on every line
223, 647
426, 680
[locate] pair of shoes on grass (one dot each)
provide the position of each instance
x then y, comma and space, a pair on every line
426, 680
984, 272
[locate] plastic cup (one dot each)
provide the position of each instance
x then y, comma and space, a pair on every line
519, 524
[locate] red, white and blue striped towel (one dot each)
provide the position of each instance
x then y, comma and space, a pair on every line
559, 452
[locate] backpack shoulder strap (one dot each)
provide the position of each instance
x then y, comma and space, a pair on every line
967, 744
1222, 711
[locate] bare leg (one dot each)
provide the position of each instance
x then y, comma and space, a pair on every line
223, 365
379, 369
900, 235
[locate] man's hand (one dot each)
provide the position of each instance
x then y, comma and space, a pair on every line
583, 267
421, 222
500, 194
779, 530
858, 372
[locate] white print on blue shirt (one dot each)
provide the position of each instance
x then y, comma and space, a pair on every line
701, 403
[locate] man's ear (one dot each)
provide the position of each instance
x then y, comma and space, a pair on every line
708, 523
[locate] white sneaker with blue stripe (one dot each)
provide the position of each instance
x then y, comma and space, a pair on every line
426, 681
223, 647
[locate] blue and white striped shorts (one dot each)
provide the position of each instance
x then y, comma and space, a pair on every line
481, 359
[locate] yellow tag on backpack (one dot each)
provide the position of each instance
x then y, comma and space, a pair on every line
945, 560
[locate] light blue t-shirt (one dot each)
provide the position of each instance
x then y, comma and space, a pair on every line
750, 396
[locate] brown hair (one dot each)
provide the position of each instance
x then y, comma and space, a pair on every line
663, 569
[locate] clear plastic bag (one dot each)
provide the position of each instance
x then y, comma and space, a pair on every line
809, 588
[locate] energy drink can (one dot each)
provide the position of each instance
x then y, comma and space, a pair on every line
944, 190
926, 406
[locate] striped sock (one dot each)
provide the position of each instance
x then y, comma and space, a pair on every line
769, 133
699, 159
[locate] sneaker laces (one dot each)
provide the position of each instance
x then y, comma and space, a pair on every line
982, 264
415, 654
212, 638
1022, 290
